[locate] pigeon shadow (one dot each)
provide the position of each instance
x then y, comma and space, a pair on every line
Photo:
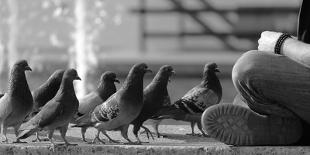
186, 138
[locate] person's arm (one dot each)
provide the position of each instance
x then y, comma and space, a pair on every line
297, 50
292, 48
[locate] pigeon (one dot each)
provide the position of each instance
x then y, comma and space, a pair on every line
155, 95
105, 89
191, 106
47, 90
45, 93
57, 113
17, 103
119, 110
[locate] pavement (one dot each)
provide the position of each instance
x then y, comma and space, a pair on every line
176, 142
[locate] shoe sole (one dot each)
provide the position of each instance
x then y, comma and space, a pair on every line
237, 125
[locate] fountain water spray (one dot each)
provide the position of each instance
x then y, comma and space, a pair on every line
13, 32
80, 45
84, 59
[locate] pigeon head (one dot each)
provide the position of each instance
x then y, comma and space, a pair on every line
71, 74
22, 65
106, 85
141, 68
135, 76
210, 68
164, 73
109, 76
18, 85
166, 70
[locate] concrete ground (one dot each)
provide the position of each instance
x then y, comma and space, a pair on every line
176, 143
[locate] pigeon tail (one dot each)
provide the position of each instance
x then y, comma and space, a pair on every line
170, 112
27, 130
86, 124
84, 121
26, 133
192, 118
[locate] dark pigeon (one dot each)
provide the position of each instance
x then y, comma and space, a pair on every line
45, 93
122, 107
57, 113
155, 96
191, 106
47, 90
105, 89
17, 103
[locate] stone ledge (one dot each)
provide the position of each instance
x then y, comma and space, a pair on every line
146, 150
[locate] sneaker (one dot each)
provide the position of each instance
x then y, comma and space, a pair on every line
237, 125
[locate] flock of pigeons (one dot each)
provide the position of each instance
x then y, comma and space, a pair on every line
54, 104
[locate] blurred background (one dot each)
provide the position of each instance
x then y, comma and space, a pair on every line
98, 35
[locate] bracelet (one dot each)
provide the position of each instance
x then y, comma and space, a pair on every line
280, 41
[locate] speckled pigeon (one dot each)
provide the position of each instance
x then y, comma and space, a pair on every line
196, 100
17, 103
118, 111
57, 113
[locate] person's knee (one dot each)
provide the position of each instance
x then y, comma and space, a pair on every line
248, 65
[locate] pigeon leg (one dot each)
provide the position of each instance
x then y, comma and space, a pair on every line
50, 137
63, 131
97, 138
16, 134
156, 125
195, 118
3, 132
192, 127
37, 138
83, 130
138, 139
110, 139
136, 129
147, 132
200, 128
124, 132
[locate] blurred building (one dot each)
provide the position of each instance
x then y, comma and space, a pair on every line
47, 25
186, 34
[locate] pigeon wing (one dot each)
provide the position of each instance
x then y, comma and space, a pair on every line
50, 112
196, 100
107, 111
5, 107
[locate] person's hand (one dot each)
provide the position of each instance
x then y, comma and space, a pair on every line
268, 41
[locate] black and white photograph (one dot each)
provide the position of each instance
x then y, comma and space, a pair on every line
154, 77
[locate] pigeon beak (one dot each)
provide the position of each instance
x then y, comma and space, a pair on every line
148, 71
172, 72
78, 78
27, 68
217, 70
116, 80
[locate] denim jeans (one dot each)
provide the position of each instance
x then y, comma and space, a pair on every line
273, 84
